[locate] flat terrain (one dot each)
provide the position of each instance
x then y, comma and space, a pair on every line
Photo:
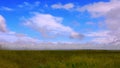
60, 59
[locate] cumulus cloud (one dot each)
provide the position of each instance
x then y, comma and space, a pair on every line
104, 37
98, 34
3, 27
49, 25
10, 39
16, 41
100, 8
111, 12
65, 6
101, 37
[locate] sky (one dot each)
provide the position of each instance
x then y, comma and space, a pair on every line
60, 21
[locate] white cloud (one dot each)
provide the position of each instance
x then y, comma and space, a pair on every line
100, 8
102, 37
6, 8
113, 19
49, 25
111, 12
15, 41
9, 37
12, 37
65, 6
98, 34
3, 27
29, 5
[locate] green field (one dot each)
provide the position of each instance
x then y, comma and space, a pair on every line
60, 59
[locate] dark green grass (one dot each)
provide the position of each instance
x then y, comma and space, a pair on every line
60, 59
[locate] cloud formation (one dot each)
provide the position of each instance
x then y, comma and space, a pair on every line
111, 12
28, 5
49, 25
6, 8
65, 6
13, 38
3, 27
17, 41
101, 37
100, 8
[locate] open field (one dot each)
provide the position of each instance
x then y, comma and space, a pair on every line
60, 59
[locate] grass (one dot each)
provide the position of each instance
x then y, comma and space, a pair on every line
60, 59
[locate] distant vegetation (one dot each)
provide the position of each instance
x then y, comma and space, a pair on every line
60, 59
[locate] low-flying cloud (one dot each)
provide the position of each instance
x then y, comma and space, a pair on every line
49, 25
65, 6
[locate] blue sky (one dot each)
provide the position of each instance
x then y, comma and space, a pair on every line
75, 18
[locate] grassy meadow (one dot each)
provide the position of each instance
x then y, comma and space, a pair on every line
60, 59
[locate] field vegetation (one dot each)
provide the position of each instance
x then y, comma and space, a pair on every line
60, 59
